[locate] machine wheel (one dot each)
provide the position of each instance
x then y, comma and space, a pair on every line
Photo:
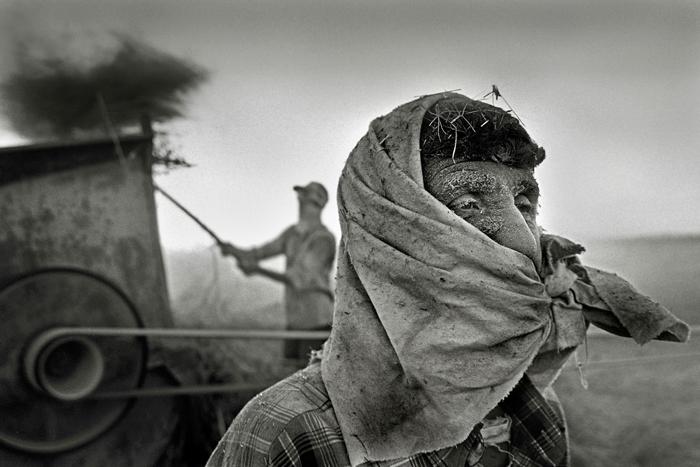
45, 406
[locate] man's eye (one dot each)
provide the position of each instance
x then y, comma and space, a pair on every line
523, 204
469, 205
465, 206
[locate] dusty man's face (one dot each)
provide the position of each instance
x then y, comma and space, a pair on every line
498, 200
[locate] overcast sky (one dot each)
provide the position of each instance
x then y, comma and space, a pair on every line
609, 88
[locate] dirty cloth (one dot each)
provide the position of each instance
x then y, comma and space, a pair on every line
309, 258
434, 323
293, 423
583, 295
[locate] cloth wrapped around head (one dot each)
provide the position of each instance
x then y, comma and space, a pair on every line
434, 321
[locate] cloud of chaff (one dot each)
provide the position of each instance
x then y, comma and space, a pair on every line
50, 95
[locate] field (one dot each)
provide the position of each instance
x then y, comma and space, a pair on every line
632, 414
643, 413
639, 414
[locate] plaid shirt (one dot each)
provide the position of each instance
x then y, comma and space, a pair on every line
293, 424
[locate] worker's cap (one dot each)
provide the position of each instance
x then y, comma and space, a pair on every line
314, 192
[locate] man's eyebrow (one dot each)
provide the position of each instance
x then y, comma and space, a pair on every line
474, 181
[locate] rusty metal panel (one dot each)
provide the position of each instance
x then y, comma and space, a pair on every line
82, 206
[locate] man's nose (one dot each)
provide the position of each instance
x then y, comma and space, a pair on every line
516, 234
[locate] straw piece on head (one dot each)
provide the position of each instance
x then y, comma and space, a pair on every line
461, 129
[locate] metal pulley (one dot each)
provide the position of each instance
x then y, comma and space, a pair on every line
67, 369
45, 381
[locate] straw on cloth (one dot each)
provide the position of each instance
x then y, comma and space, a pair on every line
434, 322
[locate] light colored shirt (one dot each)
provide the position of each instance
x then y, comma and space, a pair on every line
309, 254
